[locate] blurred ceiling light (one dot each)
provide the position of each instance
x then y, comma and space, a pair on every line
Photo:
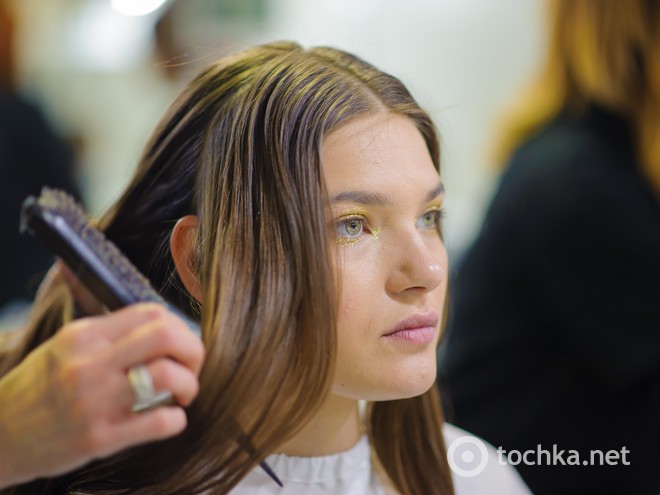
352, 9
137, 7
101, 39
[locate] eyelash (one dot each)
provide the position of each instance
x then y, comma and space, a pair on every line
350, 239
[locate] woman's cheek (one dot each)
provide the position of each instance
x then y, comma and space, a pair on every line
346, 308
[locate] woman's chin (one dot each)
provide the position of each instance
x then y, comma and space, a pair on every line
395, 389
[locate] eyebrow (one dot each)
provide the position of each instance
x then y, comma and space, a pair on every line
378, 199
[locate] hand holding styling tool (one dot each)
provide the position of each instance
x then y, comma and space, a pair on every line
101, 267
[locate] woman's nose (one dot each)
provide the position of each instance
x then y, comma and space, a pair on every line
418, 263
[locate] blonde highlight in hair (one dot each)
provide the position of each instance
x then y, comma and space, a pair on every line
241, 148
605, 52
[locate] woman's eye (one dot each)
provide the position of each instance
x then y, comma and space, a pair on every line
350, 227
429, 219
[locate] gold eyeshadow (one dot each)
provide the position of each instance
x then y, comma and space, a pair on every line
375, 231
343, 241
353, 211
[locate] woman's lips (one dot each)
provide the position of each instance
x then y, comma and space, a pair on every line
417, 329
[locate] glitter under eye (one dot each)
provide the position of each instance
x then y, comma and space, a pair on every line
346, 241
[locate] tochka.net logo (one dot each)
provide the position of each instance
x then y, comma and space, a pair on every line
468, 456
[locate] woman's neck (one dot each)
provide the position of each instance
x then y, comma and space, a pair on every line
336, 427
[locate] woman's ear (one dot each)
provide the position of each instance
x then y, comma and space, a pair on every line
182, 248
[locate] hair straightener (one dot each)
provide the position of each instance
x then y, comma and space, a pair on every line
101, 267
63, 226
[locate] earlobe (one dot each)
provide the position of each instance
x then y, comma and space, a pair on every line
182, 248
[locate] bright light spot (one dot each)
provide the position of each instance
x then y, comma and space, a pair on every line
351, 8
136, 7
100, 38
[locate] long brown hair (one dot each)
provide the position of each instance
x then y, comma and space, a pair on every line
241, 148
600, 51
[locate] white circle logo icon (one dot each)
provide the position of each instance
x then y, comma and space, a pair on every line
467, 456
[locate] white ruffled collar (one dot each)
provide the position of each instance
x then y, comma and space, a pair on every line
347, 465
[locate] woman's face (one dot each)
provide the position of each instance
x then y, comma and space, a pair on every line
386, 199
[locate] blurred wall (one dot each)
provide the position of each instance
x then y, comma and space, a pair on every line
95, 71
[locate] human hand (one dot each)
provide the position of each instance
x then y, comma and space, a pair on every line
70, 400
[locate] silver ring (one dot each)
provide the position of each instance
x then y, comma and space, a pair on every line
146, 396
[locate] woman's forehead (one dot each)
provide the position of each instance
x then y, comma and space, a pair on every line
382, 153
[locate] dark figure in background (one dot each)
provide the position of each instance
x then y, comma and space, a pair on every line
31, 155
554, 337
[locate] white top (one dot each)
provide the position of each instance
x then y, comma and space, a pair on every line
351, 473
479, 474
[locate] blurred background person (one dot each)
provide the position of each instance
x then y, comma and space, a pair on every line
554, 336
32, 155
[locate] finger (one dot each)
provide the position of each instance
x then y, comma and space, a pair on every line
83, 297
118, 324
115, 397
170, 375
156, 424
166, 336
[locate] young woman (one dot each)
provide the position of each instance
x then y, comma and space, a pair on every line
290, 199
